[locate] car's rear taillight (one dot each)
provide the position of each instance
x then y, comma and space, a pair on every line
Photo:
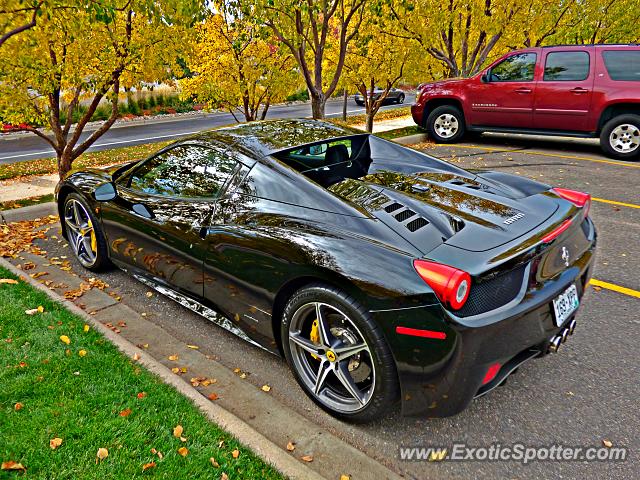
579, 199
451, 285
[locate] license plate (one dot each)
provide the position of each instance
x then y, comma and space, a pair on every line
565, 304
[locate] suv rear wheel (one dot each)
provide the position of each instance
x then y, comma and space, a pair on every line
620, 137
445, 124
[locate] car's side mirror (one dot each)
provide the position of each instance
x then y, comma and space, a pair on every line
486, 77
105, 192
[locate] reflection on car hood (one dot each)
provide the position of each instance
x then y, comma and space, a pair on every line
429, 208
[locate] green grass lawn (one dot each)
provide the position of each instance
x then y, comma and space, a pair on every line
80, 399
26, 202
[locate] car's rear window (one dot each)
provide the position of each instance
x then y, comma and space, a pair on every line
623, 65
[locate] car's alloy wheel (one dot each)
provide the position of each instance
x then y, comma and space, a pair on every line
332, 357
401, 98
620, 137
80, 232
625, 138
339, 354
446, 125
83, 233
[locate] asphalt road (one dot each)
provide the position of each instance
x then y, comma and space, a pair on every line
29, 146
586, 393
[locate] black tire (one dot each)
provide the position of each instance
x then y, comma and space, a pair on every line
361, 104
101, 261
613, 146
455, 119
384, 390
400, 98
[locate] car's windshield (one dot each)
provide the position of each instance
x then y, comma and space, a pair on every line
356, 156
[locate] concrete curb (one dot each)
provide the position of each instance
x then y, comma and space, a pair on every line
248, 436
28, 213
411, 139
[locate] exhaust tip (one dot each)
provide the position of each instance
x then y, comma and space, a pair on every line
554, 343
572, 326
564, 335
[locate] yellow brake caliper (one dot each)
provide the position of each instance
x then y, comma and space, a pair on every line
94, 241
314, 335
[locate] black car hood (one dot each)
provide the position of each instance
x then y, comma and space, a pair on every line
472, 212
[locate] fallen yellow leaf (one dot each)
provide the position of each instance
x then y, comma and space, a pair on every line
607, 443
55, 443
64, 339
345, 477
214, 463
86, 328
18, 406
149, 465
235, 453
82, 353
175, 370
136, 357
177, 431
8, 281
213, 396
102, 454
125, 413
33, 311
149, 294
173, 358
307, 458
266, 388
291, 446
193, 347
11, 465
183, 451
224, 476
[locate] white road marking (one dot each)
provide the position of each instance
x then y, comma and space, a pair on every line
106, 144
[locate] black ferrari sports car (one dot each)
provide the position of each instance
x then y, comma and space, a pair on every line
379, 272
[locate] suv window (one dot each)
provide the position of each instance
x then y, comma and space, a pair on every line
623, 65
566, 66
187, 171
516, 68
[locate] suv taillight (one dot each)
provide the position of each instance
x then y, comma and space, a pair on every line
451, 285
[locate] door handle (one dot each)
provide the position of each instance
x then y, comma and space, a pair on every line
523, 90
579, 90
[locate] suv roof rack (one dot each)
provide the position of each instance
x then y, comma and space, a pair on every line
592, 45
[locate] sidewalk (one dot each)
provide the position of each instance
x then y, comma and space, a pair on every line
36, 186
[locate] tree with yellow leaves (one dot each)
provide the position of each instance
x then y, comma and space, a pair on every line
465, 35
238, 66
317, 33
84, 54
377, 58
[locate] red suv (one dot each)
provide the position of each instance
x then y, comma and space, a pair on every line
572, 90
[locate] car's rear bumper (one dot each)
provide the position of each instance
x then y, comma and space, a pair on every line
440, 377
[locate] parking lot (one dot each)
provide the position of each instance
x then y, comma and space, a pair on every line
586, 393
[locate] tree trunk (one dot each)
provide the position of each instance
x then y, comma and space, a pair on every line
369, 122
344, 105
318, 102
64, 164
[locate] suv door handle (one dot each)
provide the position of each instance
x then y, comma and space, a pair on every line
523, 90
579, 90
